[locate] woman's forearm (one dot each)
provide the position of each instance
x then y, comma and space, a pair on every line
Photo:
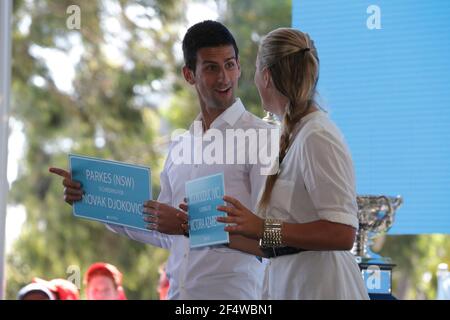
319, 235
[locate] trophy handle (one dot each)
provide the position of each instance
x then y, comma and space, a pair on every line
397, 202
388, 215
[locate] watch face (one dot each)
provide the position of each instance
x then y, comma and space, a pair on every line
261, 243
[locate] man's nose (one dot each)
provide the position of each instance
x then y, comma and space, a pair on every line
224, 77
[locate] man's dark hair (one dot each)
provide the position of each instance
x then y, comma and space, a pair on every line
205, 34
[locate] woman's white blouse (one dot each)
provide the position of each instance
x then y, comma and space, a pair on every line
316, 182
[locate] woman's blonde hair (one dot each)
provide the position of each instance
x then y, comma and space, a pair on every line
291, 58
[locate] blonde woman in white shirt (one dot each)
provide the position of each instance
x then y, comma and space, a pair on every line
307, 215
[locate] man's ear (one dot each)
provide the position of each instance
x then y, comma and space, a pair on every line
188, 75
239, 67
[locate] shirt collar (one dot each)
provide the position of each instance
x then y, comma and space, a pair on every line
230, 116
233, 113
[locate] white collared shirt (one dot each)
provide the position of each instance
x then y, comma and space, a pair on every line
316, 182
215, 272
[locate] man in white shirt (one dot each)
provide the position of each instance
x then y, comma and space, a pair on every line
216, 272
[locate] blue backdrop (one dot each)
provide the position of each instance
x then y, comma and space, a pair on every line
386, 83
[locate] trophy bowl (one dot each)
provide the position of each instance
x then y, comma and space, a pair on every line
376, 216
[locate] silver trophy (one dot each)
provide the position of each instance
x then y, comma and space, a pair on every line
376, 216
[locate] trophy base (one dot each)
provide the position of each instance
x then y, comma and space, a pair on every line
374, 260
377, 276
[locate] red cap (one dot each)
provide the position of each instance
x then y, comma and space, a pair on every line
63, 289
112, 271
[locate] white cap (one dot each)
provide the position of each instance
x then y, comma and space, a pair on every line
35, 287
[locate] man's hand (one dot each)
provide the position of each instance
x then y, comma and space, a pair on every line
72, 189
164, 218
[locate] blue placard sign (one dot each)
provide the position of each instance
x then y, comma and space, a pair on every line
114, 191
204, 195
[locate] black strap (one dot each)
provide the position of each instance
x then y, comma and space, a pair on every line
281, 251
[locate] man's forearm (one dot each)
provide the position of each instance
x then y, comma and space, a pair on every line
148, 237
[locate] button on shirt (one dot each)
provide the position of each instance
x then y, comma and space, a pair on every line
215, 272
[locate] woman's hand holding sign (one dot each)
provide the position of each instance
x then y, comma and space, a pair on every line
240, 219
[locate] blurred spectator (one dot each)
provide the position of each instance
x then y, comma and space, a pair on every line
163, 284
443, 286
104, 282
56, 289
35, 291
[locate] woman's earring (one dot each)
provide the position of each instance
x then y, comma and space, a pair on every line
271, 118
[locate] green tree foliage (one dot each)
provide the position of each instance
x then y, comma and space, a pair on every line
249, 21
106, 114
417, 258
